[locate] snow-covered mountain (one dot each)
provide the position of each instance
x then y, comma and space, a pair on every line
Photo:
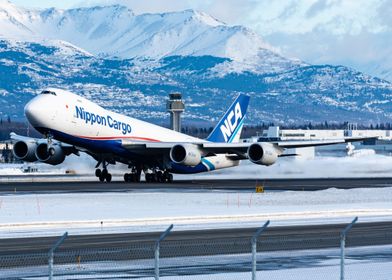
300, 95
109, 54
114, 31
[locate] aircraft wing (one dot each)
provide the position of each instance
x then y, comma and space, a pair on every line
207, 147
304, 144
67, 147
231, 148
16, 137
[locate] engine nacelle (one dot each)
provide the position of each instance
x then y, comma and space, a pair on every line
25, 151
263, 153
185, 154
54, 155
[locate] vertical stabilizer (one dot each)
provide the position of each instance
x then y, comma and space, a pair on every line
229, 128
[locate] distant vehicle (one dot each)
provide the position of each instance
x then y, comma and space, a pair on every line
72, 124
29, 169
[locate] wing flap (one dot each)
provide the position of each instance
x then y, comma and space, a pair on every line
304, 144
207, 147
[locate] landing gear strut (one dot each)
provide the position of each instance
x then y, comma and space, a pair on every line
103, 174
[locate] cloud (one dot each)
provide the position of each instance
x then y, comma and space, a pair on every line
316, 8
337, 17
351, 33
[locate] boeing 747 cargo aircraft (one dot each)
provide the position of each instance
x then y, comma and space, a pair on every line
72, 124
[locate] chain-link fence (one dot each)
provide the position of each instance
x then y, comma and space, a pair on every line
277, 256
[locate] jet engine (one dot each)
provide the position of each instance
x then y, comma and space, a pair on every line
53, 154
25, 151
185, 154
263, 153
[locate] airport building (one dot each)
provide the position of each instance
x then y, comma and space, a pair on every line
381, 146
274, 132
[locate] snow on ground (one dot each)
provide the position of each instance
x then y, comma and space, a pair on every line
82, 213
320, 167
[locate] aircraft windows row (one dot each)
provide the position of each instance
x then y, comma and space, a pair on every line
48, 92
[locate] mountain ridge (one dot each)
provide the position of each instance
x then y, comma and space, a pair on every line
310, 93
209, 75
115, 31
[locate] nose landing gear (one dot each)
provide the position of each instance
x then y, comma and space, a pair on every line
103, 175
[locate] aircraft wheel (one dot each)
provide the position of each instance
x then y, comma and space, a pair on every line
160, 177
108, 177
101, 178
137, 177
151, 178
126, 177
170, 178
167, 177
97, 172
104, 172
131, 177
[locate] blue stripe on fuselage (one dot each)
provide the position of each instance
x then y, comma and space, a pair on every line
94, 145
115, 147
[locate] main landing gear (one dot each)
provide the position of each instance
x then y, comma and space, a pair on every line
134, 176
159, 177
152, 176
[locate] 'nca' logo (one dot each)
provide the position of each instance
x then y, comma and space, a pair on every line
231, 122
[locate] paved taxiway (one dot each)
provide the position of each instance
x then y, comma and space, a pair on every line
232, 184
217, 241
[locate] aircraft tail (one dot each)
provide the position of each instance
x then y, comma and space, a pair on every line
229, 128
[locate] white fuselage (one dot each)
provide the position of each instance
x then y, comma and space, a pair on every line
77, 121
77, 116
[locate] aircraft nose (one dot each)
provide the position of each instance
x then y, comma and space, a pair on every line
32, 112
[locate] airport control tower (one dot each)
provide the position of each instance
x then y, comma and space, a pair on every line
175, 106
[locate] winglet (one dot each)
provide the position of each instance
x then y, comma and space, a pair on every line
229, 128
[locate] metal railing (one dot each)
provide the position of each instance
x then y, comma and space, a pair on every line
166, 257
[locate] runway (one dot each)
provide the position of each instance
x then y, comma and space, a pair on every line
236, 185
205, 242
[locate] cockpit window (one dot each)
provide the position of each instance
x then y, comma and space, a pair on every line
48, 92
